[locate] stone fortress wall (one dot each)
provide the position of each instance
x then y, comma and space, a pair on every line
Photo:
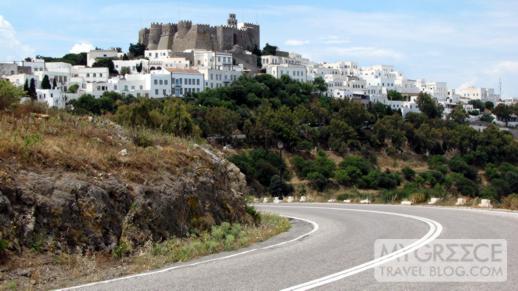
185, 35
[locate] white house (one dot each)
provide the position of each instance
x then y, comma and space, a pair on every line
36, 65
172, 62
186, 81
94, 55
19, 79
137, 85
406, 106
158, 54
53, 98
212, 60
91, 74
295, 72
474, 93
160, 84
131, 65
220, 78
438, 90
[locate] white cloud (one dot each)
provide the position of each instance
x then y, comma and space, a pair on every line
82, 47
333, 39
296, 42
505, 67
469, 83
11, 48
364, 52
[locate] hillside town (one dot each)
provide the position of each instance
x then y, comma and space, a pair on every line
175, 60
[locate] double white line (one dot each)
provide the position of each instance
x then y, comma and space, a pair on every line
434, 232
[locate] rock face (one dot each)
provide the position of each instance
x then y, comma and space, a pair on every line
71, 212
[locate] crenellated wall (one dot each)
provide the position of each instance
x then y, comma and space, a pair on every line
185, 35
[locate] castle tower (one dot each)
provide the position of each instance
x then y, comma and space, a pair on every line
232, 20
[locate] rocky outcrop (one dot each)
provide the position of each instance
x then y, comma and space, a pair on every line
53, 210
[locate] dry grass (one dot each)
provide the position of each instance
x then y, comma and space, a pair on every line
396, 164
79, 144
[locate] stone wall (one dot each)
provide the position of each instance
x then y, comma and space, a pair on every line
185, 35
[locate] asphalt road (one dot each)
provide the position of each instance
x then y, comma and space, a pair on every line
333, 239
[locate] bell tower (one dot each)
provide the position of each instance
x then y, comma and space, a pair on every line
232, 20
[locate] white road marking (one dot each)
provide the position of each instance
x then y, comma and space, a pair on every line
313, 230
434, 232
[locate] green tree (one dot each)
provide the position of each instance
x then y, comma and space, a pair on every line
395, 95
177, 119
221, 121
458, 114
9, 94
429, 106
136, 50
73, 88
320, 85
503, 112
26, 86
45, 83
489, 105
125, 71
478, 104
32, 90
105, 63
340, 134
269, 50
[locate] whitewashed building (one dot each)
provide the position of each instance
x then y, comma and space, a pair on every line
137, 85
438, 90
52, 97
90, 75
295, 72
212, 60
474, 93
131, 66
186, 81
158, 54
94, 55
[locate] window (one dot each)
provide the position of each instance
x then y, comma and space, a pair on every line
161, 82
88, 75
95, 75
156, 82
156, 92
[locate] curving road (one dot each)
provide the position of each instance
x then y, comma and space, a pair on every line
330, 247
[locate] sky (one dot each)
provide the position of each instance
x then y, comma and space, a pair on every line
462, 42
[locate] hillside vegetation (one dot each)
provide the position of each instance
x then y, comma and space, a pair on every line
330, 145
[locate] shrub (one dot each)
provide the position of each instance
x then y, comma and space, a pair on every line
458, 165
253, 213
9, 94
260, 165
121, 250
73, 88
408, 173
141, 138
462, 184
418, 198
511, 202
318, 181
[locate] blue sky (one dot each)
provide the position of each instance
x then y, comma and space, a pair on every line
463, 42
